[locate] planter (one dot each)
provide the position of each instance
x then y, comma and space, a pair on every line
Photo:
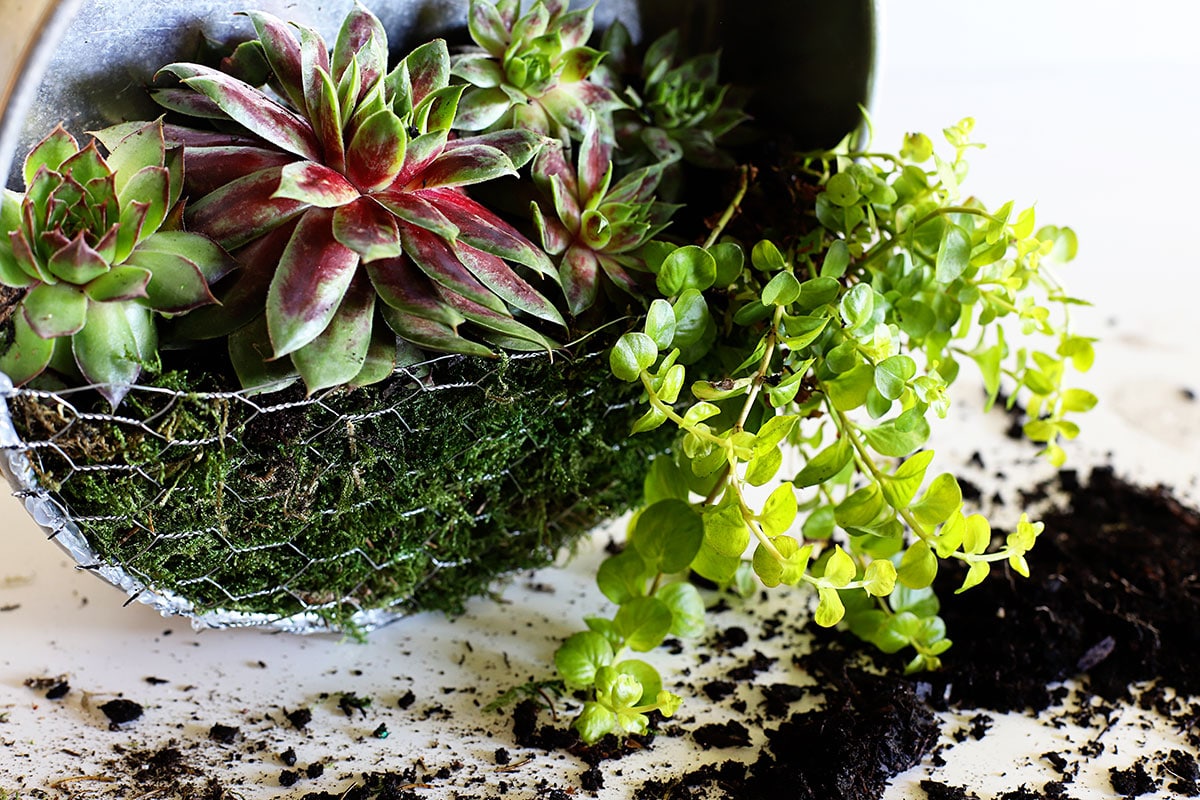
345, 510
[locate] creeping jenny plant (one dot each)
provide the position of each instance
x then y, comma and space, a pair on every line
827, 319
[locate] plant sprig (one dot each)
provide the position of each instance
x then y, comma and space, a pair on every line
851, 331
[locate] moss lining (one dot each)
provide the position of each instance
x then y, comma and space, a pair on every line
392, 496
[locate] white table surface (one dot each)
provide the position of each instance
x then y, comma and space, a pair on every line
1089, 110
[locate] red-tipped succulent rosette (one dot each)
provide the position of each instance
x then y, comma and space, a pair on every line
593, 228
340, 190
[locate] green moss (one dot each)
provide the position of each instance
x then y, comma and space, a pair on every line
392, 496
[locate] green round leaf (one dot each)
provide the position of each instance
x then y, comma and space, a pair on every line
667, 535
825, 464
954, 254
632, 353
893, 374
623, 576
689, 267
646, 676
782, 290
725, 530
730, 259
580, 656
837, 259
839, 569
687, 609
941, 499
842, 190
779, 512
880, 577
830, 609
918, 566
644, 622
858, 305
594, 722
766, 257
660, 324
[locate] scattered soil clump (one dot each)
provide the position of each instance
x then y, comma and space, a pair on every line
1112, 596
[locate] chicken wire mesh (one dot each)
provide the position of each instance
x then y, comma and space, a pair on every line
340, 511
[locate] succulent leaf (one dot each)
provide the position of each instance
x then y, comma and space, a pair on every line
362, 41
382, 356
404, 288
250, 108
243, 299
482, 229
250, 353
466, 165
77, 262
500, 278
29, 354
579, 272
427, 69
315, 185
54, 310
518, 144
368, 229
132, 147
50, 153
313, 274
338, 354
118, 341
412, 207
376, 154
174, 284
432, 335
152, 186
441, 264
244, 209
282, 52
125, 282
210, 168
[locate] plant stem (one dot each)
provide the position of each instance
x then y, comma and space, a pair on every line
764, 366
731, 209
864, 457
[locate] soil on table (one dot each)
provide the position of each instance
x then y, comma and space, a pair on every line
1113, 601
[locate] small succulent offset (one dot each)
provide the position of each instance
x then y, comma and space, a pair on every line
532, 70
593, 227
347, 210
97, 247
682, 111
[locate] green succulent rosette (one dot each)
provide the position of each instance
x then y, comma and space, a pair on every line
682, 110
531, 70
97, 248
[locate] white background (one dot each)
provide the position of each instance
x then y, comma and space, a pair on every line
1089, 110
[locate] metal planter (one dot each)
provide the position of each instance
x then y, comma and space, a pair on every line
85, 63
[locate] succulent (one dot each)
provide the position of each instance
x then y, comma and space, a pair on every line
594, 227
531, 71
344, 205
97, 247
682, 110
